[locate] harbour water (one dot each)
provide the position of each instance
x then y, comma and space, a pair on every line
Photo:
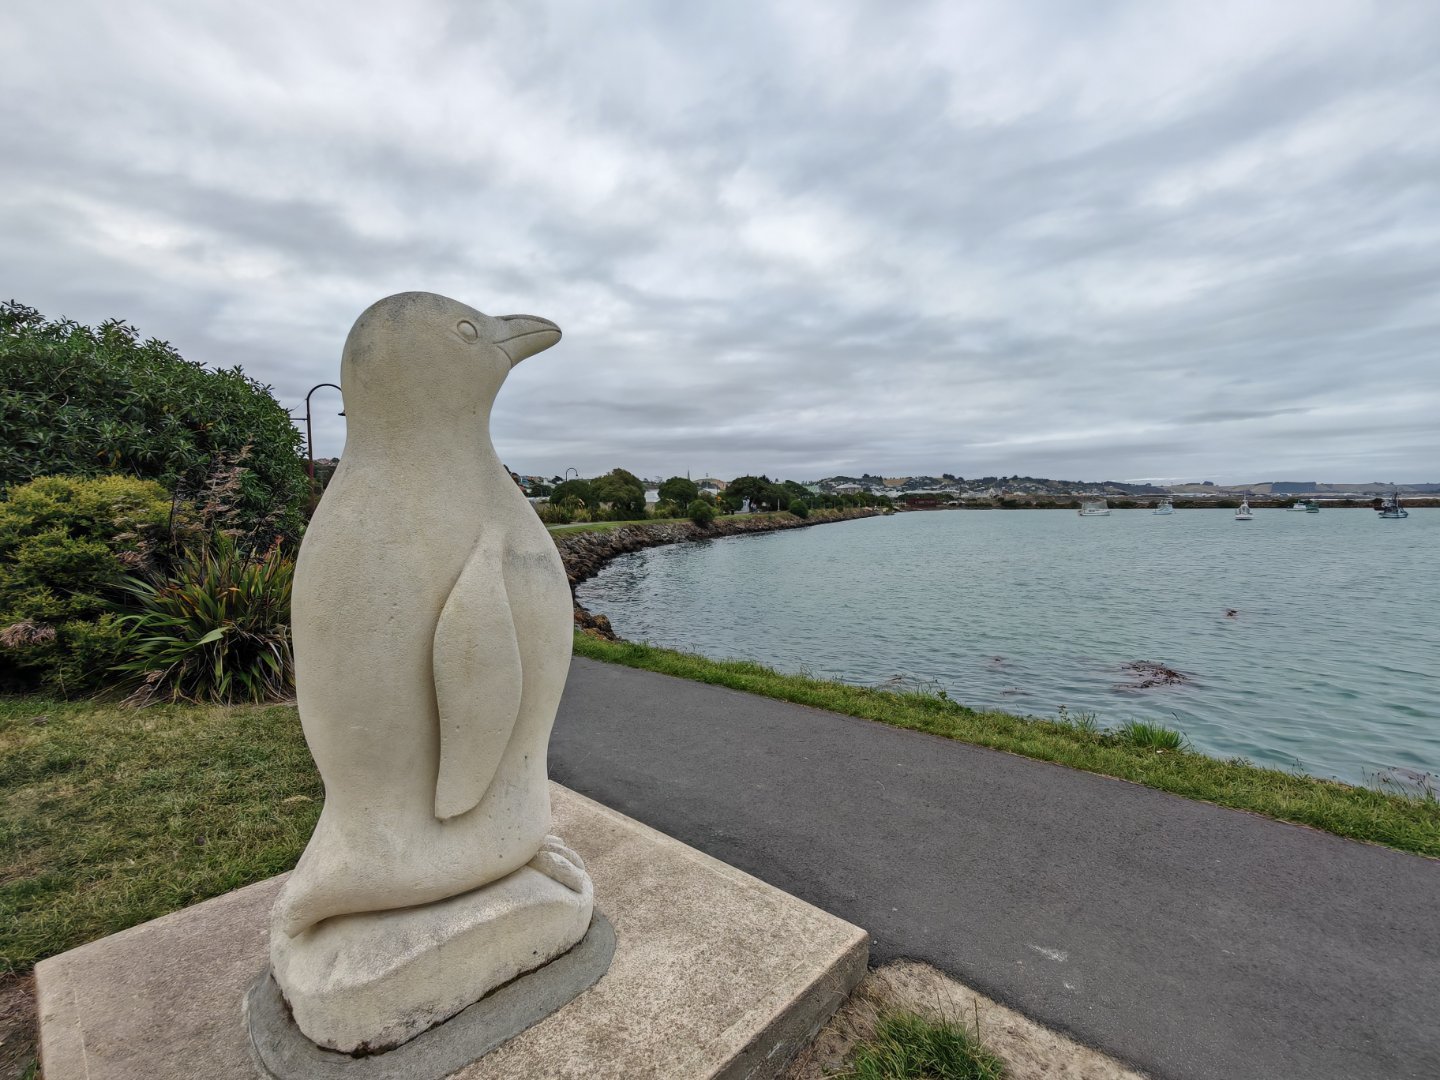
1309, 641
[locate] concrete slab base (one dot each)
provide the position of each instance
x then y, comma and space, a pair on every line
284, 1053
715, 974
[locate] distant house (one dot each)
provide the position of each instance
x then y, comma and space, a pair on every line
712, 483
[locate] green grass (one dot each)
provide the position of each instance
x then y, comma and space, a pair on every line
906, 1046
1075, 740
1149, 736
110, 816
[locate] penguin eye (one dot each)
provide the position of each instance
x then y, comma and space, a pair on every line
466, 330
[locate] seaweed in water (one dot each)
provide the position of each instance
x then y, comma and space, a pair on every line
1148, 673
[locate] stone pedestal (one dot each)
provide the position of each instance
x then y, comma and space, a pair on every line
345, 976
715, 974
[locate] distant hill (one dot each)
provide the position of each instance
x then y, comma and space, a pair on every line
1305, 487
984, 485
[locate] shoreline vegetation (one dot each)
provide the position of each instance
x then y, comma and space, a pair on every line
1152, 756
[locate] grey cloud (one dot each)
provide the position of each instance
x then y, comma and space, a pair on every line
1048, 239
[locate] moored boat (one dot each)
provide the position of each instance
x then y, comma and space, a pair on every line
1164, 506
1391, 509
1094, 508
1243, 511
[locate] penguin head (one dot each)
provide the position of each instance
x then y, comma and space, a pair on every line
417, 358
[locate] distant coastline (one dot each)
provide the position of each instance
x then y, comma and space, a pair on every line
1147, 502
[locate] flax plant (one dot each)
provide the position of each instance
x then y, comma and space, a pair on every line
216, 629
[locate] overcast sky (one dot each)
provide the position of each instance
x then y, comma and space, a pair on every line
1079, 240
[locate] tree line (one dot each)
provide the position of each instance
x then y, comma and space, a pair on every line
619, 495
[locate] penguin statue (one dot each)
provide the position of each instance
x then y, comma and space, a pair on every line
432, 628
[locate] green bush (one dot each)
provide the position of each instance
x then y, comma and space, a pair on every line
680, 490
701, 513
91, 401
217, 629
763, 495
575, 491
799, 507
552, 514
623, 492
667, 509
66, 545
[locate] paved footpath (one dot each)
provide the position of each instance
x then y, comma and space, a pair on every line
1194, 942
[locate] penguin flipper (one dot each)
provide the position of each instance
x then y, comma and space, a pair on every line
476, 666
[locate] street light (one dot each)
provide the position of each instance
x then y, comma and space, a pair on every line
570, 470
309, 439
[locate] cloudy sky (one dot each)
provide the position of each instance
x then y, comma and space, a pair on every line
1080, 240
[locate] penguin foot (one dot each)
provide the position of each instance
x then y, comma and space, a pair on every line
560, 863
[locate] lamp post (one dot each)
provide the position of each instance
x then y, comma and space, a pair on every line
309, 439
570, 470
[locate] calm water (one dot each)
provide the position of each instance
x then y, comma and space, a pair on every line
1332, 661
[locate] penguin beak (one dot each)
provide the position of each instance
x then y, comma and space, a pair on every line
526, 336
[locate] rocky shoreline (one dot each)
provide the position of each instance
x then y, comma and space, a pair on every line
585, 553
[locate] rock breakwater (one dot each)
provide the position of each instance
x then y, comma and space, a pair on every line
585, 553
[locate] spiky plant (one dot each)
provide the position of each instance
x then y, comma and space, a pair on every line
216, 629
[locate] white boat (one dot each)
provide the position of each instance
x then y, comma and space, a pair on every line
1094, 508
1164, 506
1243, 511
1300, 506
1391, 507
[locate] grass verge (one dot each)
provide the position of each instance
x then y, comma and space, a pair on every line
1358, 813
110, 816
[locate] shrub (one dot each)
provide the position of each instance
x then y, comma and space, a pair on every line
90, 401
66, 545
763, 495
667, 509
551, 514
701, 513
217, 629
799, 507
624, 493
680, 490
575, 491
